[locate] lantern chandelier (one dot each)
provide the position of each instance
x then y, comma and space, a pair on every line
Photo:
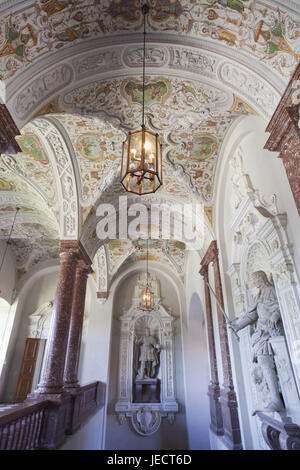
147, 297
141, 170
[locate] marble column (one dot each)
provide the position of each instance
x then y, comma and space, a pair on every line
216, 424
8, 132
52, 379
75, 333
228, 400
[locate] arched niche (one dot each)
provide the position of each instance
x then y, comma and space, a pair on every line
197, 376
165, 326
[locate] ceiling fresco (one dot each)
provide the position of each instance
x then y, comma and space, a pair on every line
71, 149
263, 30
191, 117
35, 236
125, 252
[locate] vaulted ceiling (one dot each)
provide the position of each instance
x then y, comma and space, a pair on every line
71, 78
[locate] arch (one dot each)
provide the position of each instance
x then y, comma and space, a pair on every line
197, 376
61, 153
122, 301
184, 56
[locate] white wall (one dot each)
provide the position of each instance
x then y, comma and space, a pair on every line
39, 289
196, 357
7, 273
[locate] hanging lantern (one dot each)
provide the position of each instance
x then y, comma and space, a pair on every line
141, 170
147, 299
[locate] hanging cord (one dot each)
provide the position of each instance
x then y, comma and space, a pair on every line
9, 237
145, 10
147, 264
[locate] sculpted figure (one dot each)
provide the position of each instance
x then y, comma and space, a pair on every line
264, 316
148, 357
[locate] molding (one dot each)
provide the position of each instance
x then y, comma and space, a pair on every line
184, 57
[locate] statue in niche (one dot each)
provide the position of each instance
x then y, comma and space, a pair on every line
147, 356
264, 316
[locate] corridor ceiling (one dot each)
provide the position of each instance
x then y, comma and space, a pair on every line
71, 78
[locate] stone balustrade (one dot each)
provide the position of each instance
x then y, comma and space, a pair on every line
45, 423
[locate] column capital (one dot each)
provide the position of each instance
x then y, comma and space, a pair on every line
211, 255
83, 268
204, 271
76, 247
8, 132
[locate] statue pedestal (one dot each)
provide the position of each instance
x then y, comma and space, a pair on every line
146, 391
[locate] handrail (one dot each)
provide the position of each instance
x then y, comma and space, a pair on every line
279, 435
44, 423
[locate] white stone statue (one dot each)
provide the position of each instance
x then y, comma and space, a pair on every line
148, 356
264, 316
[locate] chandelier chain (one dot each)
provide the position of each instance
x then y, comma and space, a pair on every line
145, 10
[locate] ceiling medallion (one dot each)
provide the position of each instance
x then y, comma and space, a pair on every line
141, 169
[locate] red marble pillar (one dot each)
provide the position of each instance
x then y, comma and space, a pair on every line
285, 133
52, 379
8, 132
228, 400
216, 424
75, 333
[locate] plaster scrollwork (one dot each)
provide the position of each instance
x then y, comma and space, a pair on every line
242, 187
146, 421
41, 89
100, 267
63, 167
39, 321
99, 62
193, 61
284, 275
250, 86
155, 56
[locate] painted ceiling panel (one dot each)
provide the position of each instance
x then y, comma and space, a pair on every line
263, 30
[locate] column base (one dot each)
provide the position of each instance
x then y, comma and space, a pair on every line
71, 387
231, 424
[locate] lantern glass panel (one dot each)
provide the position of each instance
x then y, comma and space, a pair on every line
147, 299
124, 159
135, 152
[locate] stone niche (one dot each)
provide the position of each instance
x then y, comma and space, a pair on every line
146, 388
260, 244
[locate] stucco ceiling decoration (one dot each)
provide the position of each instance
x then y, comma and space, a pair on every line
191, 116
53, 45
122, 253
262, 29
